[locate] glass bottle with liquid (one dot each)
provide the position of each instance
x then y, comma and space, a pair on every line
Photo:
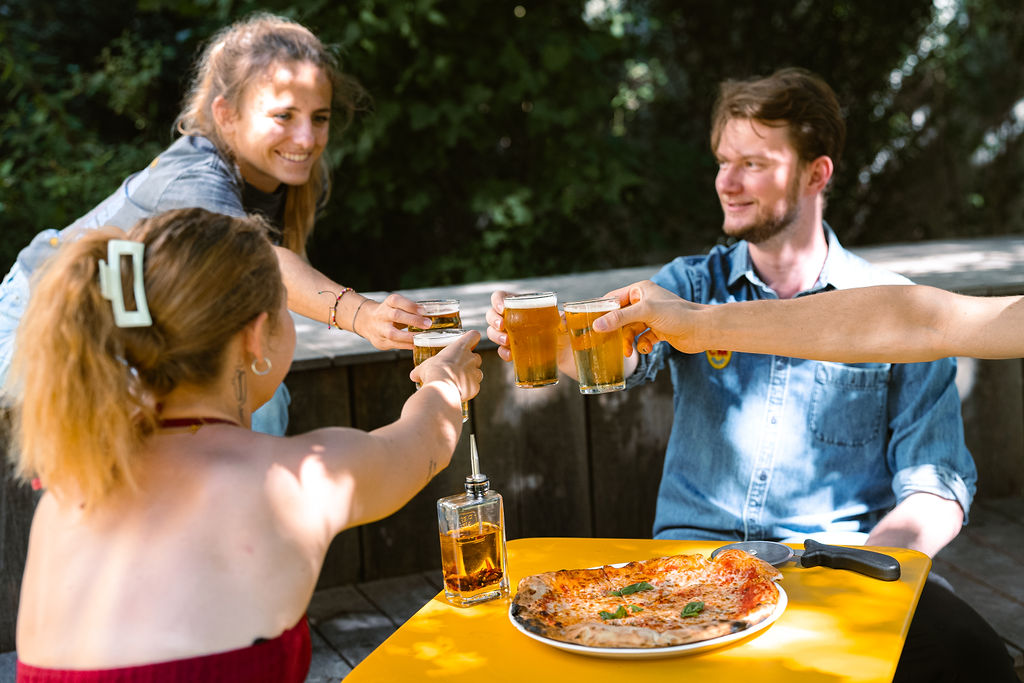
472, 526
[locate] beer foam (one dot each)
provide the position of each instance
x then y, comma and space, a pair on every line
440, 306
592, 306
539, 300
437, 337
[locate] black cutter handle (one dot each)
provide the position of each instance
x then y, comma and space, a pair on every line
867, 562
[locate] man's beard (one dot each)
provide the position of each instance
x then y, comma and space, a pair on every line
766, 227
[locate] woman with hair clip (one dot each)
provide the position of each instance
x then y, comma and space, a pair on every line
171, 542
253, 129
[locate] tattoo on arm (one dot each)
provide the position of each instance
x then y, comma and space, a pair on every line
241, 391
431, 469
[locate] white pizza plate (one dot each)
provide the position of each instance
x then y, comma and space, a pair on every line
658, 652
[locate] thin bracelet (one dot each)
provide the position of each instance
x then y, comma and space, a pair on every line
358, 308
332, 320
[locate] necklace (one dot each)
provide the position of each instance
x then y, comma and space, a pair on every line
193, 423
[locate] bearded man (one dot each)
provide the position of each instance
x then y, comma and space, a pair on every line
774, 448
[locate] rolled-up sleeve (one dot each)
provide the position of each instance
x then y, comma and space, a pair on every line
926, 450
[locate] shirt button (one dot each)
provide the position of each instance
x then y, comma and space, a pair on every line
774, 420
763, 476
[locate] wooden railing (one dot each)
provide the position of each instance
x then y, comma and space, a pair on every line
566, 464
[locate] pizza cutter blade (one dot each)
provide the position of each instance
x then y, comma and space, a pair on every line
814, 554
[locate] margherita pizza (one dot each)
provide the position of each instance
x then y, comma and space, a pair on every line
655, 603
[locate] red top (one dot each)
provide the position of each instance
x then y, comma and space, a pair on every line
285, 659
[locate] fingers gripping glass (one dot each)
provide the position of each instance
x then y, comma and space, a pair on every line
531, 321
443, 314
429, 344
598, 355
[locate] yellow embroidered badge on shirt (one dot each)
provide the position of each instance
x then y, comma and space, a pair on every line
719, 359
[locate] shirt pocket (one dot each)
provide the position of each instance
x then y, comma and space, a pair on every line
848, 404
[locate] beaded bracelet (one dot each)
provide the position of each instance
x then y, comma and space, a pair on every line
333, 319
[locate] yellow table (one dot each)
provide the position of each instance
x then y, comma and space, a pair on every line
838, 626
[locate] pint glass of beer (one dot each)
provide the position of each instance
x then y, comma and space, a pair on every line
429, 343
531, 321
598, 355
443, 314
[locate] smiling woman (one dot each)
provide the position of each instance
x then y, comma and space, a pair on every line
279, 130
254, 127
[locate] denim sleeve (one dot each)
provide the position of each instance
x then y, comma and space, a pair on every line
649, 365
927, 452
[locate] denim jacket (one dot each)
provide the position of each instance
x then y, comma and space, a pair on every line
770, 447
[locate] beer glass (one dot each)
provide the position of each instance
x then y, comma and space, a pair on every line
598, 355
443, 314
429, 343
531, 321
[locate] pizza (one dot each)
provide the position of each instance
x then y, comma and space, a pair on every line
654, 603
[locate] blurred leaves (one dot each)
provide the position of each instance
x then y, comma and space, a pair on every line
511, 139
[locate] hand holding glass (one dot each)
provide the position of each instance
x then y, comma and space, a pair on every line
429, 344
443, 314
531, 321
598, 355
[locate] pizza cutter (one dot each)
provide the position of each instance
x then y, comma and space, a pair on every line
814, 554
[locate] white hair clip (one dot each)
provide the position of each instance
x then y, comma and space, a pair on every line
110, 283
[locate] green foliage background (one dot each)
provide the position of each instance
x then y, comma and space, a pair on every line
513, 139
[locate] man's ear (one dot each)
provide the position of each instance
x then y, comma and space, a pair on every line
818, 173
224, 116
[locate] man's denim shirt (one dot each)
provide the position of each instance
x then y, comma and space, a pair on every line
769, 447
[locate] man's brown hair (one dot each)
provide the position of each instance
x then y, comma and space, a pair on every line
791, 97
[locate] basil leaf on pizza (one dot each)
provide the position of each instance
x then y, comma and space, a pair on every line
693, 608
654, 603
633, 588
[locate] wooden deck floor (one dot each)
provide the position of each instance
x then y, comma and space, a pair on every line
985, 564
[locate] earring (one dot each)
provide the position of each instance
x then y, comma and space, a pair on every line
265, 370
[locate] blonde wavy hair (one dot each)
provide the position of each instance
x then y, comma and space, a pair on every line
89, 390
237, 56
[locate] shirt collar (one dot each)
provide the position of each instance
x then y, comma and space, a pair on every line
835, 273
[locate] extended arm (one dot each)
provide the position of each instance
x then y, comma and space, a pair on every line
375, 320
340, 478
898, 323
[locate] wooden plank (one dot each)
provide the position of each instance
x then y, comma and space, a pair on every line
400, 597
327, 665
990, 604
407, 541
320, 398
17, 504
8, 667
628, 434
349, 623
343, 562
533, 447
992, 398
985, 564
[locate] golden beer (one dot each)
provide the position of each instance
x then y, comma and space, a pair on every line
598, 355
531, 321
443, 314
429, 344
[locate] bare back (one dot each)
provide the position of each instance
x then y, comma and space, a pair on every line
208, 556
